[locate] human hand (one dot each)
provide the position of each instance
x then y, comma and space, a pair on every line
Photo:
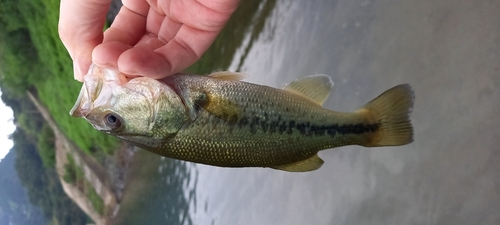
153, 38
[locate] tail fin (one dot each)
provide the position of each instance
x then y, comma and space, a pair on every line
391, 110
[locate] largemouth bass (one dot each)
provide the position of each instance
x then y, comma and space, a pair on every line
221, 121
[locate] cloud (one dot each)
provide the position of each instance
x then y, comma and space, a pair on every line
7, 127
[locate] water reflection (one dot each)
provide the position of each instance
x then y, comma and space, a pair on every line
449, 175
258, 24
161, 191
240, 32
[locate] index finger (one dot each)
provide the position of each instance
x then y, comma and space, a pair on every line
127, 29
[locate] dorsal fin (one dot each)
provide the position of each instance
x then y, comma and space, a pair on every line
309, 164
228, 75
314, 87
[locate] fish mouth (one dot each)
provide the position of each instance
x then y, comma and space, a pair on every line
92, 85
82, 106
91, 89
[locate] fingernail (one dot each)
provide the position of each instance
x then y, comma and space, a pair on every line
77, 74
79, 71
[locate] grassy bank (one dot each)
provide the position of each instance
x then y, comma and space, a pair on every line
60, 70
48, 68
74, 175
52, 76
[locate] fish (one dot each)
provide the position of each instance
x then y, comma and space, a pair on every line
220, 120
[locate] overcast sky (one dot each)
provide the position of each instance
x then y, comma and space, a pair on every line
6, 128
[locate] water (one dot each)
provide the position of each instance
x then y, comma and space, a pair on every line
449, 51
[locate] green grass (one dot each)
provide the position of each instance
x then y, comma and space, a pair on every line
70, 171
74, 175
56, 88
94, 198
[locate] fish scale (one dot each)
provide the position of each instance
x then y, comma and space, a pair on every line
221, 121
209, 135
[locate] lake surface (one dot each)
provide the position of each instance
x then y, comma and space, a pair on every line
449, 51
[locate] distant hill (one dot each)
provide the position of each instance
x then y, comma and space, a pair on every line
15, 207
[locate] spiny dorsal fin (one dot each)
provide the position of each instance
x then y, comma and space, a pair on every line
227, 75
309, 164
314, 87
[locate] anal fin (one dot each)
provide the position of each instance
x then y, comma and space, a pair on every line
309, 164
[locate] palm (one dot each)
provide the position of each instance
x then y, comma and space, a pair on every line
162, 37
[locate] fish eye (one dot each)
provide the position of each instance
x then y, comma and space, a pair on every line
113, 121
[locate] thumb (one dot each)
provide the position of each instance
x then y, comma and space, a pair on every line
82, 57
80, 29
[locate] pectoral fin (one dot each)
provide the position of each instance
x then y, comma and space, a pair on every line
196, 100
314, 87
306, 165
220, 107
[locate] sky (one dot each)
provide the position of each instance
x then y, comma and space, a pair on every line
7, 127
